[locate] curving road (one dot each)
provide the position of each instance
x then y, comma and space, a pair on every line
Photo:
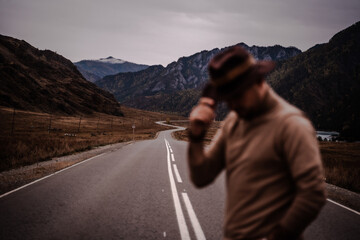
141, 191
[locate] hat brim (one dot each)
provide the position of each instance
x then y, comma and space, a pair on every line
237, 87
264, 67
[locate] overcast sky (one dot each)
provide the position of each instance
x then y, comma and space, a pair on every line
161, 31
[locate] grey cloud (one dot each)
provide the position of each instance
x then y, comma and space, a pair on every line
161, 31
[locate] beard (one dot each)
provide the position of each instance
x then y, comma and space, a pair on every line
251, 112
247, 114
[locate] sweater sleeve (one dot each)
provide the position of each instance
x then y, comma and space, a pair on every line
205, 165
301, 151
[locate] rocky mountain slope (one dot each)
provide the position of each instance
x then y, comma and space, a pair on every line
154, 87
36, 80
325, 82
94, 70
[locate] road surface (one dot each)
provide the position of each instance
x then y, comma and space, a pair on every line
141, 191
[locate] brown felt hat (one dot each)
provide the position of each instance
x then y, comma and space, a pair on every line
234, 70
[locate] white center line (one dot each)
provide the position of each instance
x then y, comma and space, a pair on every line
177, 174
194, 221
184, 232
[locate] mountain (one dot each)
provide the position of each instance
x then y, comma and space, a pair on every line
94, 70
325, 82
157, 88
43, 81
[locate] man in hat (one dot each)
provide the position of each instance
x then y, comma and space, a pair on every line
268, 148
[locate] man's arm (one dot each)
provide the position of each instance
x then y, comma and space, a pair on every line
301, 151
203, 167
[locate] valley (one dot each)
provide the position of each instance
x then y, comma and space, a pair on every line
30, 137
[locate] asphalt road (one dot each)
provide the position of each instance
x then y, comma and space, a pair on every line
141, 191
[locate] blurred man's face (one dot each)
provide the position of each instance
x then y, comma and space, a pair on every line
246, 104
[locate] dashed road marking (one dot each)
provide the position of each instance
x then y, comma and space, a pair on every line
194, 220
178, 178
184, 232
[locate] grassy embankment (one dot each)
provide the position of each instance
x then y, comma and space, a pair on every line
341, 160
29, 137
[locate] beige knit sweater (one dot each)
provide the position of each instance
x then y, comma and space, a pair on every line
274, 174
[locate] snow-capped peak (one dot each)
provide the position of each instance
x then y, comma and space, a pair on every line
111, 60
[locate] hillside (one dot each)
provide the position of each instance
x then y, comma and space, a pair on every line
176, 87
325, 82
43, 81
94, 70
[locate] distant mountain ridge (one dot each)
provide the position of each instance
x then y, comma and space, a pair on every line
149, 89
111, 60
94, 70
324, 82
41, 80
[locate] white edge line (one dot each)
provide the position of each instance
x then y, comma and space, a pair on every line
195, 222
184, 232
351, 210
52, 174
177, 174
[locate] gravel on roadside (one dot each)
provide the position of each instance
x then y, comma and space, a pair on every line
343, 196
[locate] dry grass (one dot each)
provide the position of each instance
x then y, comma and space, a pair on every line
30, 140
342, 164
341, 160
182, 135
33, 137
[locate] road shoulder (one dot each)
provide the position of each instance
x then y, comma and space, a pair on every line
14, 178
343, 197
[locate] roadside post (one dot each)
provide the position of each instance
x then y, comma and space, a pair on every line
133, 128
